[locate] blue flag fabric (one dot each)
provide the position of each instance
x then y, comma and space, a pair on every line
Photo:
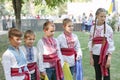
79, 70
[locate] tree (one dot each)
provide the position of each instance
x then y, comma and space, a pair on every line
17, 5
81, 0
2, 10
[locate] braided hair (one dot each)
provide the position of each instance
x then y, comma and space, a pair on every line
99, 10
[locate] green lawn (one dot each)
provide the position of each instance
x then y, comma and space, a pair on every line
88, 70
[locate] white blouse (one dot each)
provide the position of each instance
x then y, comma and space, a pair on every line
99, 32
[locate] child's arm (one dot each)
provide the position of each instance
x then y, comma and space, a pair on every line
6, 62
108, 61
90, 39
36, 55
91, 59
111, 47
109, 35
59, 53
40, 54
90, 46
78, 48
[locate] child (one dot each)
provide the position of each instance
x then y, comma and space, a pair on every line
31, 54
13, 60
69, 44
101, 46
50, 58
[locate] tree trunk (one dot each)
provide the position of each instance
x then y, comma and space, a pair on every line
17, 5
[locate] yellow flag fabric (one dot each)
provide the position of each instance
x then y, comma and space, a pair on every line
44, 77
66, 71
112, 7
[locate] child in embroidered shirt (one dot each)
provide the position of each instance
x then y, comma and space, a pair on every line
50, 58
101, 46
31, 54
13, 60
69, 44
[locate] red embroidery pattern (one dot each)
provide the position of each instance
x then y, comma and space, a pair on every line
98, 32
111, 36
50, 44
70, 40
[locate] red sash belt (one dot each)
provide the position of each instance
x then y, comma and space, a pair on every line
15, 72
103, 51
69, 52
53, 58
33, 66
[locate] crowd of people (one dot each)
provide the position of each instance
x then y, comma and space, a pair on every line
86, 21
46, 60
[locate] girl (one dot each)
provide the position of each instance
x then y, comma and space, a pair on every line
101, 46
31, 54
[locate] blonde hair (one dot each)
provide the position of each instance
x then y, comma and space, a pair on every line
66, 21
28, 33
46, 25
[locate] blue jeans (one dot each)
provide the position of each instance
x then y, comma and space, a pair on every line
83, 26
51, 73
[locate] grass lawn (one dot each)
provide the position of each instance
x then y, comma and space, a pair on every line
88, 70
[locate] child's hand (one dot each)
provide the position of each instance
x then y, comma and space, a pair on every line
43, 74
108, 61
78, 57
91, 61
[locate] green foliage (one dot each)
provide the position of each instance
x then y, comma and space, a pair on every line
112, 24
113, 21
2, 0
81, 0
51, 3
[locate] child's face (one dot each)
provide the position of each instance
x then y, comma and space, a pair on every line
69, 27
29, 41
101, 17
15, 41
50, 32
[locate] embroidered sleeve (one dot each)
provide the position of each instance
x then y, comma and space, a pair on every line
6, 62
78, 47
111, 47
59, 53
90, 39
40, 54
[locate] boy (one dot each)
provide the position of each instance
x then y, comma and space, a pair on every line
13, 60
69, 44
50, 58
31, 54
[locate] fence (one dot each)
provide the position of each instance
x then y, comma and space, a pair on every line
37, 25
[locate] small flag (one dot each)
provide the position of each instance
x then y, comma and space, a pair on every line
112, 7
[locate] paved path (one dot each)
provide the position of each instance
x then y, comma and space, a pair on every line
3, 32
